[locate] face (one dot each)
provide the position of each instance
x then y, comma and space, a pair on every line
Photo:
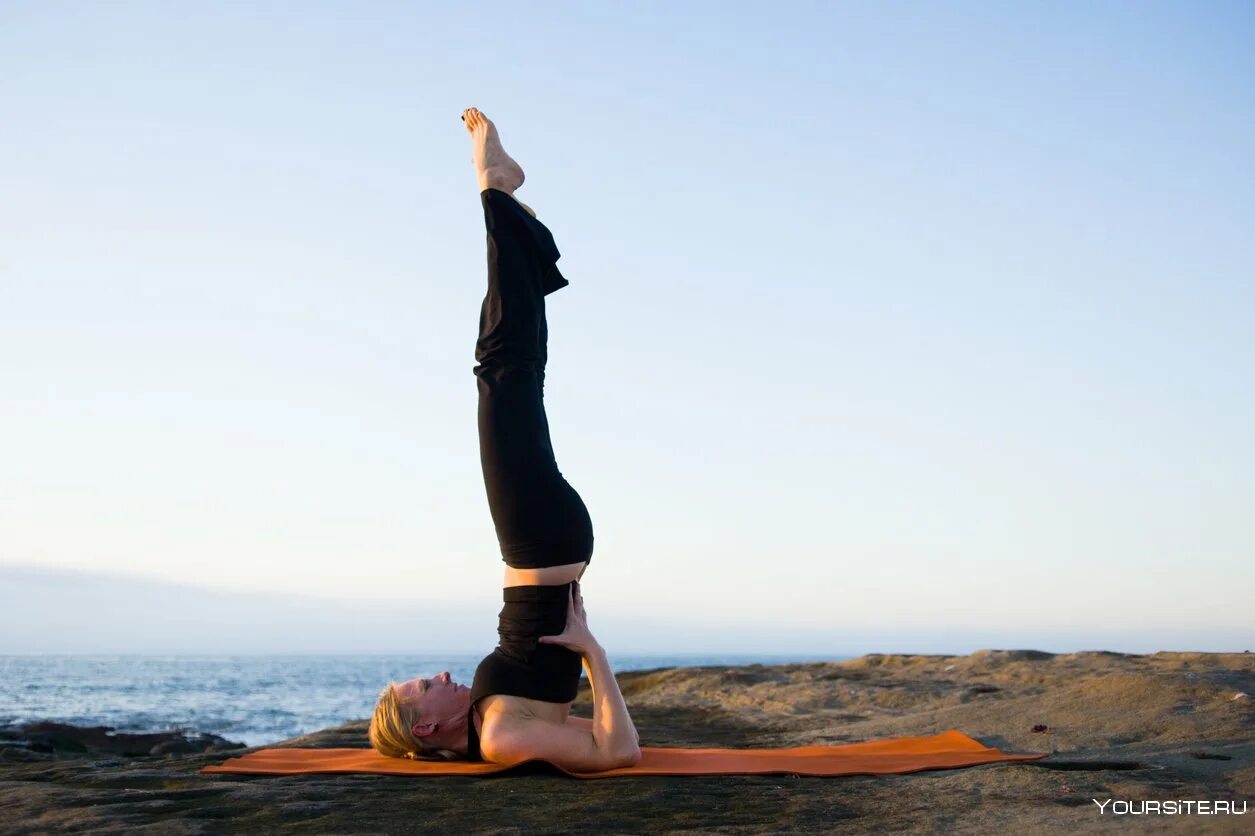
441, 704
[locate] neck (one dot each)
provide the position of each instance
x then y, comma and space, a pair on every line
456, 728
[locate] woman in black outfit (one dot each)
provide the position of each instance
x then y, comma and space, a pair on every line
518, 706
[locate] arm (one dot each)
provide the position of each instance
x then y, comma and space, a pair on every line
612, 725
587, 724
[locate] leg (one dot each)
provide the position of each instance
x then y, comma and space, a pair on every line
539, 518
512, 350
512, 327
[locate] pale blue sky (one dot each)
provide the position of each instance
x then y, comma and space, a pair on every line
884, 318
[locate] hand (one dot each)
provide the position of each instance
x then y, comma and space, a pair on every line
576, 635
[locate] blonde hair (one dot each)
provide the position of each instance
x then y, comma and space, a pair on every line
390, 731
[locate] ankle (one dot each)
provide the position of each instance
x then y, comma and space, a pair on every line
493, 178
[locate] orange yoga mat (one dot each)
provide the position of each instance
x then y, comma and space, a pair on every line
875, 757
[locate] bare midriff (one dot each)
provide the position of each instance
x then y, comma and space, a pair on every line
548, 576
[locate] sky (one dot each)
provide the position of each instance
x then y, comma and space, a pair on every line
891, 326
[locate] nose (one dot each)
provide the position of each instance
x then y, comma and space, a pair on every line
444, 677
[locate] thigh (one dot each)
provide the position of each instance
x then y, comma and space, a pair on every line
520, 471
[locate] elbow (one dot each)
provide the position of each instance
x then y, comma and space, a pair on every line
630, 756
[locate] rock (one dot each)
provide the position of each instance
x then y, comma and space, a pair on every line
63, 738
1016, 655
21, 754
1112, 722
174, 747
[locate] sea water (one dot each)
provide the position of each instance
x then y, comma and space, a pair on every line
251, 699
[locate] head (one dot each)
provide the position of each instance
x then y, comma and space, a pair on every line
421, 718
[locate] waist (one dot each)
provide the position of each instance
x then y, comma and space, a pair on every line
547, 576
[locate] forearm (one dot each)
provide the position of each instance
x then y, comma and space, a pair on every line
612, 729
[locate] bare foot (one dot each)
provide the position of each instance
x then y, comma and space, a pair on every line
496, 169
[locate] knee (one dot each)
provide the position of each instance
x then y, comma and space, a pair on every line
501, 352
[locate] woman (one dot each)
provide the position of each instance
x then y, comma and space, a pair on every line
518, 706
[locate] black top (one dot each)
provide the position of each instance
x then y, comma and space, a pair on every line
520, 666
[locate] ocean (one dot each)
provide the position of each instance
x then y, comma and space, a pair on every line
251, 699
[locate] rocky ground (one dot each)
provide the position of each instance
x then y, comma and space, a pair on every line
1161, 727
